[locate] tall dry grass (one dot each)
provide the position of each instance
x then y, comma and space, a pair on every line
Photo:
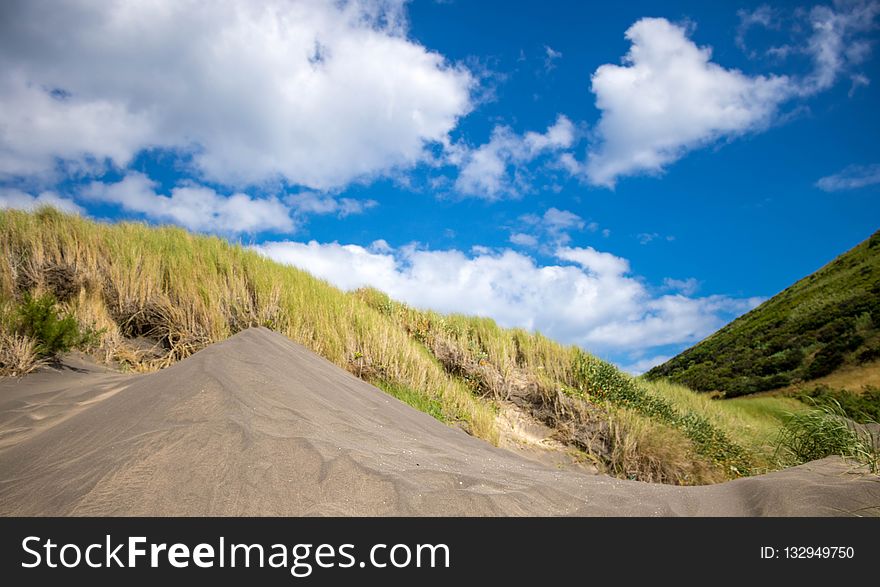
185, 292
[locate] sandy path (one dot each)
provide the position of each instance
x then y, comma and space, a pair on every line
258, 425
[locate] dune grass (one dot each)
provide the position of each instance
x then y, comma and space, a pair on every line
185, 292
503, 363
751, 422
180, 292
826, 430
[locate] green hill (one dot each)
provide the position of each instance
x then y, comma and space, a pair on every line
825, 322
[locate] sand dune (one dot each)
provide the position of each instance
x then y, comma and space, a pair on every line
258, 425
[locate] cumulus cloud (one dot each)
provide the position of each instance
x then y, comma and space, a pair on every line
585, 296
669, 97
495, 170
851, 178
20, 200
309, 92
195, 207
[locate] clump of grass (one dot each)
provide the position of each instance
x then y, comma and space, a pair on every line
825, 431
18, 355
645, 450
418, 400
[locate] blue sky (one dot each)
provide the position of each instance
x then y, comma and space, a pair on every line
627, 179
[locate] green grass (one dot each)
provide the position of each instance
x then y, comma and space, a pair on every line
825, 321
750, 422
416, 399
823, 431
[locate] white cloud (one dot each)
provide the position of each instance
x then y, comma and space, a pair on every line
642, 365
834, 44
318, 203
312, 92
195, 207
763, 16
645, 238
850, 178
495, 169
551, 56
586, 297
556, 220
523, 239
552, 227
686, 287
668, 98
595, 262
19, 200
831, 36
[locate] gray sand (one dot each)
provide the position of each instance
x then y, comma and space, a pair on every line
258, 425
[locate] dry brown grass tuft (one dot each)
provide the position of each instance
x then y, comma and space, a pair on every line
18, 355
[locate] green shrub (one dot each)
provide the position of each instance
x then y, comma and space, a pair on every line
38, 318
602, 380
825, 361
862, 407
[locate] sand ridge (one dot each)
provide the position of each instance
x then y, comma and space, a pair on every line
259, 425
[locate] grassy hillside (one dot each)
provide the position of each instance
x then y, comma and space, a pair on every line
825, 322
149, 296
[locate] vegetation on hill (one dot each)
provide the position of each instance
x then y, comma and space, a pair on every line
823, 322
152, 296
862, 407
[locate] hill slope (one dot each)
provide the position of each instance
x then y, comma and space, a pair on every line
825, 321
258, 425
